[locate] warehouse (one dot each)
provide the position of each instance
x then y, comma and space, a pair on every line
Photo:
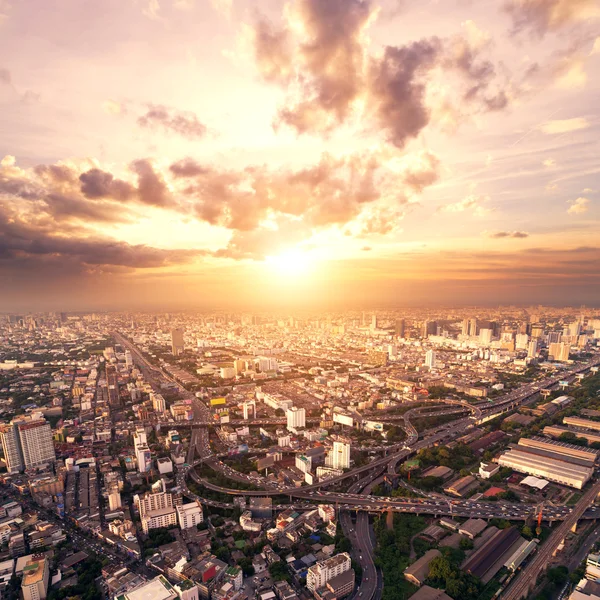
584, 423
555, 452
417, 572
557, 431
490, 558
552, 469
586, 455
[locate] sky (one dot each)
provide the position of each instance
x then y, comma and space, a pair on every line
167, 154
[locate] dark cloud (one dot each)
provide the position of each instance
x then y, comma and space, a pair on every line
56, 173
328, 57
509, 234
20, 238
62, 207
96, 183
183, 123
152, 188
188, 167
543, 16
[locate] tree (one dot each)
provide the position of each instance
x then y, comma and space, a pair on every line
526, 532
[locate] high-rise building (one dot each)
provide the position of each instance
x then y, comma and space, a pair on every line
485, 336
323, 571
128, 359
400, 328
27, 442
429, 328
559, 351
112, 384
430, 359
574, 329
296, 418
374, 322
521, 341
472, 327
158, 402
157, 510
465, 327
114, 500
532, 349
340, 456
36, 575
249, 408
177, 345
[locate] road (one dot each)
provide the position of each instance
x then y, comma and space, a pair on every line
524, 582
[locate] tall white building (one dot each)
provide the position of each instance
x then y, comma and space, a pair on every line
36, 575
340, 455
296, 418
114, 500
430, 359
189, 515
521, 341
532, 349
249, 408
177, 344
158, 402
320, 573
128, 358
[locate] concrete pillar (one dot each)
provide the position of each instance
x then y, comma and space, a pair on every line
574, 528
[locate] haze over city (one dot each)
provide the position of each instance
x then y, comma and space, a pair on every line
167, 154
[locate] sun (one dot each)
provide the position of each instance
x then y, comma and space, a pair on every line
292, 263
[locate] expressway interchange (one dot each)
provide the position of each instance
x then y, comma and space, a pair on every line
358, 499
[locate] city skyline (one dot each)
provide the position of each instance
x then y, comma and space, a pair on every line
183, 154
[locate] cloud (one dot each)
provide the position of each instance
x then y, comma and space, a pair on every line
152, 188
470, 202
564, 125
549, 162
96, 183
366, 249
578, 206
543, 16
20, 238
272, 52
185, 124
508, 234
188, 167
380, 222
320, 56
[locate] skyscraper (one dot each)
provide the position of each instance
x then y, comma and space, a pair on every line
400, 328
472, 327
177, 345
112, 383
430, 359
559, 351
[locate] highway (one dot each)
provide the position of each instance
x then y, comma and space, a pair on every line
524, 582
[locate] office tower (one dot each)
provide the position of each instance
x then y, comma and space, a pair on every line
36, 575
340, 458
429, 328
400, 328
559, 351
112, 384
364, 319
574, 329
485, 336
472, 327
296, 418
532, 349
177, 345
374, 322
430, 359
128, 359
465, 327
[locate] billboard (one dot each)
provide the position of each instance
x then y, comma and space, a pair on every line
373, 426
218, 402
265, 463
343, 419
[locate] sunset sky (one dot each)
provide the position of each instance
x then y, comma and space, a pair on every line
235, 153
